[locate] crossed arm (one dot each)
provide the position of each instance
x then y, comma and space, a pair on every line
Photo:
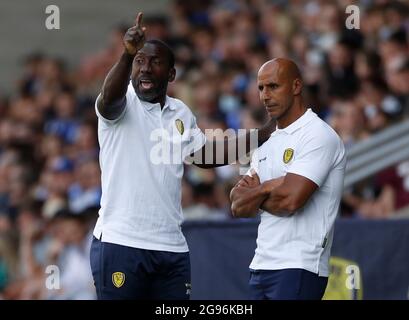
280, 197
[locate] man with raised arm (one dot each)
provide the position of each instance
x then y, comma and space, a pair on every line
138, 250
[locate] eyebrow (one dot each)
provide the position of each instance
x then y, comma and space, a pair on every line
147, 55
267, 84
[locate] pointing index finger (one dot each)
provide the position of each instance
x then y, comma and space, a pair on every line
138, 19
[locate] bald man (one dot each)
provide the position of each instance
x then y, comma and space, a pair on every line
295, 184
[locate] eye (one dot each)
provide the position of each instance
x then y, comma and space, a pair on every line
260, 88
139, 60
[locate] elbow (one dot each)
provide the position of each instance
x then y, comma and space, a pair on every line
241, 212
236, 211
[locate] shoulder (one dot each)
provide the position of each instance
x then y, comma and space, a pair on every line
131, 95
320, 131
178, 104
180, 107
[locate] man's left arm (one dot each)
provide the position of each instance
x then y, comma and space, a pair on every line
308, 171
289, 196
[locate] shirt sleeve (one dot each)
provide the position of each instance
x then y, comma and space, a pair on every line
108, 121
197, 139
315, 158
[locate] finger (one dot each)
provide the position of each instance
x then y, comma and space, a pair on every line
136, 32
248, 179
138, 19
242, 182
254, 175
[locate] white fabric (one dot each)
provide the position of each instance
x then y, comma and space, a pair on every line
304, 239
141, 178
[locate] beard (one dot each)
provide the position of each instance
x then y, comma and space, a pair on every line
151, 95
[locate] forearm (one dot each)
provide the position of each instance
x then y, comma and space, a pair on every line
115, 86
218, 153
279, 202
246, 201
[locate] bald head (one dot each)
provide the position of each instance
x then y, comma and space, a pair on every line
280, 86
285, 69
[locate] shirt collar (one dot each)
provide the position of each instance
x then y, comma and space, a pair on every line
297, 124
149, 106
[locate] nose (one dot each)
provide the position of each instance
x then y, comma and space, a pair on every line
145, 67
265, 95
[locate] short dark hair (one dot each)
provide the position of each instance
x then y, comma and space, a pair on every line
169, 51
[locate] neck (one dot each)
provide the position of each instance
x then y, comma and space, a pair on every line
161, 100
292, 114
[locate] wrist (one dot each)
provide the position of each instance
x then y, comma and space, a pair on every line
127, 55
264, 189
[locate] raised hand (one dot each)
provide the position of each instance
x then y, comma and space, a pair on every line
134, 38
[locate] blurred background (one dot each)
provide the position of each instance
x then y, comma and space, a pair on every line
356, 80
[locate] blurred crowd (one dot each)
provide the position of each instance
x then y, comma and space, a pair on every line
357, 80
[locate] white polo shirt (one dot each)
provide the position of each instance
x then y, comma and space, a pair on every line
140, 177
308, 147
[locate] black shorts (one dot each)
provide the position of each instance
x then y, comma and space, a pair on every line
122, 272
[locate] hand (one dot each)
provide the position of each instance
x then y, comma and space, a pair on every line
249, 181
134, 38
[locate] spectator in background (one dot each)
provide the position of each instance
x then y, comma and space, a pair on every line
340, 75
94, 67
70, 252
86, 191
348, 120
205, 204
65, 123
388, 194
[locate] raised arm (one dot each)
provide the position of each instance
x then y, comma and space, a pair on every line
112, 100
233, 149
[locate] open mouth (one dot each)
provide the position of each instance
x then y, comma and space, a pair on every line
146, 84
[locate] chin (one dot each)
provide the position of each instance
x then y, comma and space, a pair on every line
146, 96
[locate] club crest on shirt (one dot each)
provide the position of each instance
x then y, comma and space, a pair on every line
288, 155
180, 126
118, 279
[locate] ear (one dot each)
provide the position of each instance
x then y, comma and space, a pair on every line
172, 74
297, 86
